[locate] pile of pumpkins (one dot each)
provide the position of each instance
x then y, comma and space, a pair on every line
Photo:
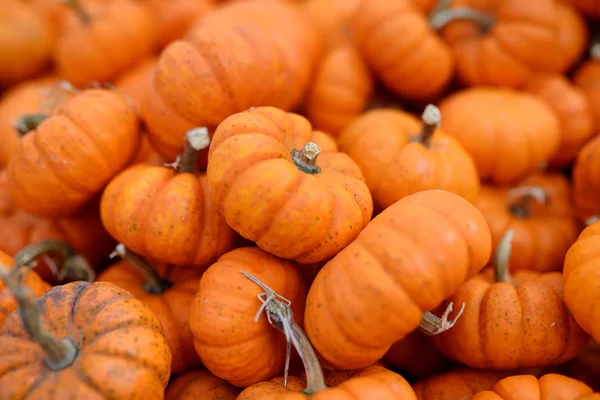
280, 199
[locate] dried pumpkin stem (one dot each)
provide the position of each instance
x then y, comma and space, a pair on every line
440, 19
431, 121
74, 267
306, 159
28, 123
196, 139
60, 352
153, 284
431, 324
502, 257
591, 220
79, 10
524, 195
595, 48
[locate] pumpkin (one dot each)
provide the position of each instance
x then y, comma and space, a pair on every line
97, 337
389, 276
456, 384
47, 165
26, 98
582, 277
583, 367
528, 387
166, 214
518, 321
200, 385
401, 155
572, 37
231, 60
590, 8
332, 18
572, 108
135, 81
122, 28
26, 42
501, 43
30, 279
587, 77
508, 133
222, 318
341, 88
427, 6
586, 181
418, 67
539, 211
306, 204
146, 153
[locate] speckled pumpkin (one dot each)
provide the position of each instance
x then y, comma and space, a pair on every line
306, 204
200, 385
586, 181
547, 387
456, 384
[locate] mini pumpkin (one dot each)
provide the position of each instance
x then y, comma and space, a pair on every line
389, 276
572, 37
332, 18
586, 181
508, 133
200, 385
587, 77
166, 214
401, 155
306, 204
590, 8
539, 212
518, 321
135, 81
458, 383
73, 153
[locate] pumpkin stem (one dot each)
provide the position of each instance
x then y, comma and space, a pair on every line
28, 123
445, 16
502, 257
154, 284
431, 324
196, 139
595, 48
74, 267
306, 159
79, 10
431, 121
279, 315
524, 195
592, 220
60, 352
442, 5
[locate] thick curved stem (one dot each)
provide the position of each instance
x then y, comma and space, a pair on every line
502, 257
80, 10
74, 267
440, 19
196, 139
306, 159
60, 352
431, 324
153, 283
431, 121
442, 5
28, 123
520, 208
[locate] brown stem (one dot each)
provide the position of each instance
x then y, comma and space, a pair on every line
431, 324
80, 11
525, 194
595, 48
74, 267
502, 257
196, 139
431, 121
28, 123
153, 284
306, 159
60, 352
442, 18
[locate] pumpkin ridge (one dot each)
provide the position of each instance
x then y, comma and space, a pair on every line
41, 379
395, 62
84, 379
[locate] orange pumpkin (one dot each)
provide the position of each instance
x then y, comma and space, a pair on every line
590, 8
582, 277
332, 18
146, 153
167, 214
587, 77
200, 385
222, 317
509, 133
73, 153
586, 181
401, 155
306, 204
456, 384
573, 110
518, 321
135, 81
122, 28
572, 37
97, 337
539, 211
528, 387
26, 41
418, 67
389, 276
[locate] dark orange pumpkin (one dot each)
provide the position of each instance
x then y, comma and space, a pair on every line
200, 385
586, 181
528, 387
456, 384
590, 8
306, 204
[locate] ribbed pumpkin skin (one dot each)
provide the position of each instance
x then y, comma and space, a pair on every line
528, 387
573, 37
200, 385
389, 275
122, 351
73, 154
586, 180
296, 215
456, 384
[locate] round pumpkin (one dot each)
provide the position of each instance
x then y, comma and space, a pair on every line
508, 133
394, 271
200, 385
590, 8
540, 213
512, 321
401, 155
98, 338
332, 18
572, 37
586, 181
230, 343
587, 78
456, 384
582, 279
135, 81
306, 204
146, 153
99, 40
529, 387
72, 154
168, 291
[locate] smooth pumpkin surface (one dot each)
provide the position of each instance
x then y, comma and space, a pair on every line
573, 37
586, 180
200, 385
332, 18
306, 210
528, 387
456, 384
389, 276
135, 81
